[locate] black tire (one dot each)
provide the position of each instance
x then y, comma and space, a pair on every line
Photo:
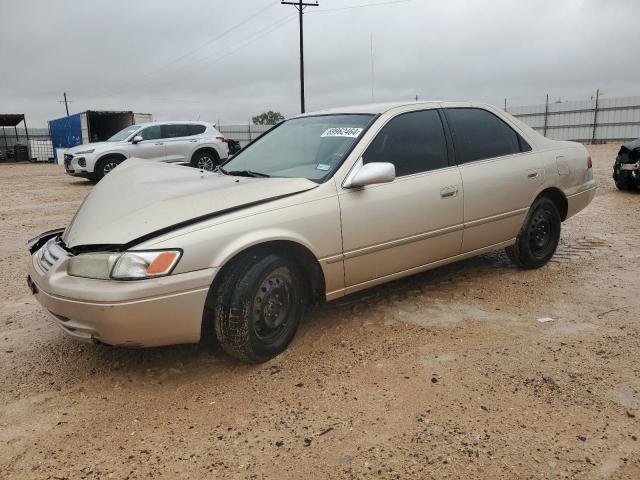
205, 160
106, 165
258, 306
623, 182
538, 239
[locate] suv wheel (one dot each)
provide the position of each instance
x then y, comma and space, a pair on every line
106, 165
538, 239
258, 306
205, 160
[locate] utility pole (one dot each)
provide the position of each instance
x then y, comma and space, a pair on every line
300, 6
66, 102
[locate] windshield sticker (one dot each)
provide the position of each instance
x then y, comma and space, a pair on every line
323, 166
351, 132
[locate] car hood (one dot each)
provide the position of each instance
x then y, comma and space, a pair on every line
89, 146
141, 199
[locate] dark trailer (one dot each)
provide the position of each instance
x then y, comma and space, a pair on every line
18, 151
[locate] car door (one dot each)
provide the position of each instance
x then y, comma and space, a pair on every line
176, 140
500, 173
151, 147
412, 221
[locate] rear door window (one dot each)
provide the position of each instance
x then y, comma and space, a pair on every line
175, 130
479, 134
414, 142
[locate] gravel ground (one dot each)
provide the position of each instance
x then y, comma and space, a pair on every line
447, 374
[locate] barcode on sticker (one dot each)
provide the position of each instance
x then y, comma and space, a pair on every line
351, 132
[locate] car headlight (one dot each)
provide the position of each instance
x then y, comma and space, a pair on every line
133, 265
91, 150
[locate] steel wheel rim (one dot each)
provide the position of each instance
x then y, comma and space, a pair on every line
272, 307
206, 163
541, 232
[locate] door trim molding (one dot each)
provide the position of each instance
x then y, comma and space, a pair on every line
493, 218
404, 273
401, 241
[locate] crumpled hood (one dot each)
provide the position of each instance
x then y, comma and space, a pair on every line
88, 146
140, 198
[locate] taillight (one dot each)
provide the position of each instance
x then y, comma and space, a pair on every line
222, 139
589, 162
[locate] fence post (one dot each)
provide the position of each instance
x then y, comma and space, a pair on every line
250, 139
595, 117
546, 115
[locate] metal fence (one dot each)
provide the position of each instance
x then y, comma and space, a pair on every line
599, 120
243, 133
38, 141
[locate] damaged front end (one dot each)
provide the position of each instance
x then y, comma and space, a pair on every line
626, 170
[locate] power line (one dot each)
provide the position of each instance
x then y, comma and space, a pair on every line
200, 47
256, 36
249, 40
364, 5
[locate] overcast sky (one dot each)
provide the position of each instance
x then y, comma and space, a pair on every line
229, 60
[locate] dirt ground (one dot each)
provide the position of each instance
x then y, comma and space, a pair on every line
447, 374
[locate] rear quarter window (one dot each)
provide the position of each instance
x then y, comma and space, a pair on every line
196, 129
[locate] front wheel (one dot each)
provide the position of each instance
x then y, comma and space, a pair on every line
538, 239
258, 306
105, 166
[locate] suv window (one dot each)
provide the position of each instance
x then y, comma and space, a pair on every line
175, 130
479, 134
196, 129
151, 133
414, 142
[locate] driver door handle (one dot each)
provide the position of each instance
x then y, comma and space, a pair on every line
159, 143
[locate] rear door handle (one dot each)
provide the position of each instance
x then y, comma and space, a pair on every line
159, 143
193, 141
448, 192
532, 173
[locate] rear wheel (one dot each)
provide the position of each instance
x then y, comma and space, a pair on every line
258, 306
538, 239
106, 165
205, 160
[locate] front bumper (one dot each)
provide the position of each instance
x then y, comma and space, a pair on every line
73, 167
145, 313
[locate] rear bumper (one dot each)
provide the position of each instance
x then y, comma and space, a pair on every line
146, 313
579, 201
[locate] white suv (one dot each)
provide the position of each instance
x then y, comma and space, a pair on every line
197, 143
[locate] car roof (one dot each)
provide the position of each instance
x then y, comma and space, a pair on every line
379, 108
193, 122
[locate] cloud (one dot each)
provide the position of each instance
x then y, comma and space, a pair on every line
117, 54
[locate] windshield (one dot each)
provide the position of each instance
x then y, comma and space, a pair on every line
307, 147
124, 133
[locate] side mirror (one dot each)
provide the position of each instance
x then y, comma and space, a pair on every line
137, 139
371, 174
